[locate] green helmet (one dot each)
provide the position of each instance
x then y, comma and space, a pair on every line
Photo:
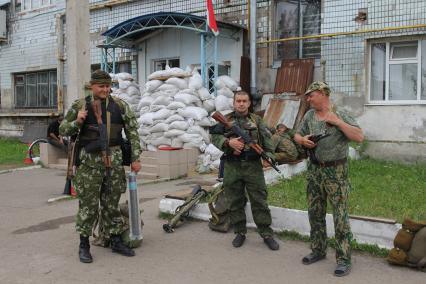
318, 86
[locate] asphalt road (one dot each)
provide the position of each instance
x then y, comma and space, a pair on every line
39, 245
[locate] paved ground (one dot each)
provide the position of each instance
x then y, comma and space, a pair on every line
39, 245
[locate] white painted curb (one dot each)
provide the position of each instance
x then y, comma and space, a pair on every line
365, 232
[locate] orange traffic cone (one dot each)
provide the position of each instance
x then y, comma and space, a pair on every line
28, 160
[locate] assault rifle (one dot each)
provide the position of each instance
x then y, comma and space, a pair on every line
183, 210
247, 139
103, 142
73, 157
311, 152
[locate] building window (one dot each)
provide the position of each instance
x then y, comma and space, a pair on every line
120, 67
36, 90
398, 72
26, 5
297, 18
160, 64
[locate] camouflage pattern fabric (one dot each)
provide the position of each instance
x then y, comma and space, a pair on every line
285, 148
318, 86
330, 183
246, 176
91, 172
333, 147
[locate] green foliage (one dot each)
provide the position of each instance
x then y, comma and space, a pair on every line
12, 151
370, 249
379, 189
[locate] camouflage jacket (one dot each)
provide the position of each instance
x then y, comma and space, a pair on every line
252, 124
70, 127
333, 147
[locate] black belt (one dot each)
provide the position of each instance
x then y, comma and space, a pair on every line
242, 157
330, 163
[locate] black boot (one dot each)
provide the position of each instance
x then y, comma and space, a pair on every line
84, 250
238, 240
118, 246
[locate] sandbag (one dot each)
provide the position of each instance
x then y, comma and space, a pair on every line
196, 113
195, 81
175, 117
418, 247
403, 239
173, 133
178, 83
162, 100
151, 86
226, 81
209, 105
223, 103
207, 122
176, 105
146, 118
181, 125
187, 99
124, 76
160, 127
225, 92
162, 114
204, 94
177, 143
155, 108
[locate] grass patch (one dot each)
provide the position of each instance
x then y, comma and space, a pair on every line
379, 189
369, 249
12, 151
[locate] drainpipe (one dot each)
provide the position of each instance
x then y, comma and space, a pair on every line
60, 61
253, 58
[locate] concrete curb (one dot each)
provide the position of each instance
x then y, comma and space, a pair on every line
20, 169
365, 232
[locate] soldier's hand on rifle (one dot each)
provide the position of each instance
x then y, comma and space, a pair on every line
135, 166
237, 145
306, 142
81, 116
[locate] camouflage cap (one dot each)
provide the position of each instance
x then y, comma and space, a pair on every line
100, 77
318, 86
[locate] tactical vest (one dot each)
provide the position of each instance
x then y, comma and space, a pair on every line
89, 131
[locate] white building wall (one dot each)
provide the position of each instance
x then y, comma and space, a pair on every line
185, 45
397, 128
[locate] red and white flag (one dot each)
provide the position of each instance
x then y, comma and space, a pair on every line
211, 19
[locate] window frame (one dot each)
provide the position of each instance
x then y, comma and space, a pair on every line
22, 4
388, 62
38, 87
300, 43
163, 59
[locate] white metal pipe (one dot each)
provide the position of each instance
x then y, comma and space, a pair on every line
253, 58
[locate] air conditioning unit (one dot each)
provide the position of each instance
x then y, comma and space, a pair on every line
3, 29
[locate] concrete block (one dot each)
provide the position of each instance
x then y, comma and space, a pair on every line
168, 171
192, 156
168, 157
183, 169
50, 154
152, 169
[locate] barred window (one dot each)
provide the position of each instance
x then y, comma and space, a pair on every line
297, 18
36, 89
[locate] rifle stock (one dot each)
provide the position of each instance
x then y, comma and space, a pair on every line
247, 139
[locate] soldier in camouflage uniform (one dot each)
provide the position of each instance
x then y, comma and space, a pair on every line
90, 176
285, 149
328, 176
243, 171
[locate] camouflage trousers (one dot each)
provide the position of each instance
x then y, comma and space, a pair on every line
241, 177
329, 183
94, 199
